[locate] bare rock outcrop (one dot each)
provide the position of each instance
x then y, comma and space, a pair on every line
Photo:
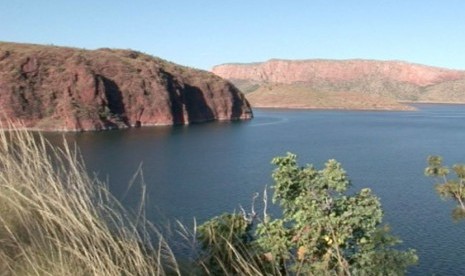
59, 88
367, 83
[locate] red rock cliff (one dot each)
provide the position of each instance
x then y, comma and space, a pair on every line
58, 88
287, 71
396, 80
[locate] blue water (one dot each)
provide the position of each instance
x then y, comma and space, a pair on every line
204, 170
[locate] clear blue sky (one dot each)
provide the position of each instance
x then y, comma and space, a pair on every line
203, 33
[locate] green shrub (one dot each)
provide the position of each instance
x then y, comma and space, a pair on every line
446, 187
323, 230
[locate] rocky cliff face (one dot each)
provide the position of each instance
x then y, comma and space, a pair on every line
384, 80
57, 88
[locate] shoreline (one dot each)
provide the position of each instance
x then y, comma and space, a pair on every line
409, 107
335, 108
20, 125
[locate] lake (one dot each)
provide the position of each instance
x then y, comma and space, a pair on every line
204, 170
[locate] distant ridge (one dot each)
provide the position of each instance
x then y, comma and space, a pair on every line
344, 84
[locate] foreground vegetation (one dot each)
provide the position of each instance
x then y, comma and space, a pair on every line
323, 230
57, 220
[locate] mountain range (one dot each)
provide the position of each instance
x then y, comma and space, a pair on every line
344, 84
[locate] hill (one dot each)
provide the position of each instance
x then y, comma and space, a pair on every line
60, 88
344, 84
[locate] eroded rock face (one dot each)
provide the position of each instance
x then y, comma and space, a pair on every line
287, 71
57, 88
392, 80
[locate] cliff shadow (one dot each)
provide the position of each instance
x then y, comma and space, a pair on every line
188, 103
115, 110
196, 105
239, 102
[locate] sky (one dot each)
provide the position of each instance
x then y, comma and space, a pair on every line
204, 33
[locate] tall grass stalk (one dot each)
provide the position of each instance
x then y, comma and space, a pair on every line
57, 220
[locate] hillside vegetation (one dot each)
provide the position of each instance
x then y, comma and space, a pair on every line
344, 84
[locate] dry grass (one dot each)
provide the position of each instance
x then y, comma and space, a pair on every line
222, 253
56, 220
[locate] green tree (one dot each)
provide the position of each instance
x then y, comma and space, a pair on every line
322, 231
448, 188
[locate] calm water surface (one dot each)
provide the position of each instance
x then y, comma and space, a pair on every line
204, 170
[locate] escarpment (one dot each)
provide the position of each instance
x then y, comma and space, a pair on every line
59, 88
344, 84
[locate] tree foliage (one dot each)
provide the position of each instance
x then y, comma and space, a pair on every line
446, 187
323, 230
